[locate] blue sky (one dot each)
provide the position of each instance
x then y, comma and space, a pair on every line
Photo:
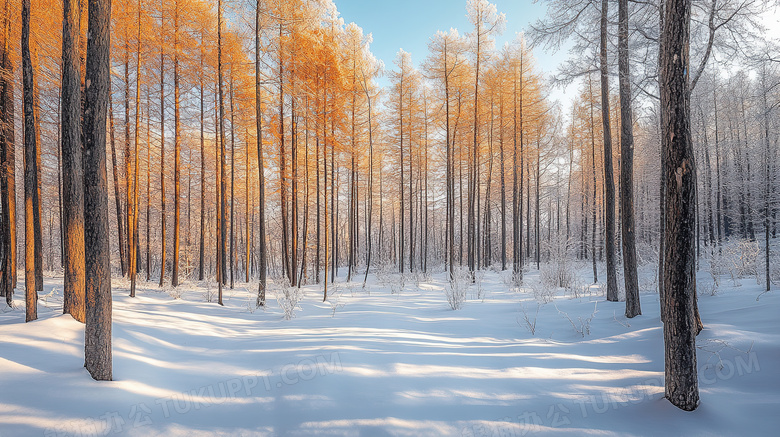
409, 24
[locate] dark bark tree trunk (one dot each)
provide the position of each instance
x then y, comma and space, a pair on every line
767, 177
117, 192
202, 252
31, 193
222, 229
97, 337
72, 174
370, 203
176, 150
232, 180
593, 168
633, 307
59, 175
681, 383
262, 262
401, 168
503, 182
609, 201
163, 218
132, 196
7, 154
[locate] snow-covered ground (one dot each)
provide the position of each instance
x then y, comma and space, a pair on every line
389, 360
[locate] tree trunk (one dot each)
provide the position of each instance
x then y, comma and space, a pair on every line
97, 337
72, 174
232, 180
633, 307
176, 150
609, 201
117, 193
681, 383
7, 155
163, 218
31, 192
593, 167
202, 254
370, 203
262, 263
132, 202
221, 228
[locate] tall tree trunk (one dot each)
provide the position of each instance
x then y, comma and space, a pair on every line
718, 193
633, 307
593, 167
767, 178
7, 154
176, 150
450, 170
306, 199
247, 229
97, 337
609, 183
474, 188
283, 163
232, 180
163, 218
72, 173
401, 168
222, 229
117, 192
370, 203
202, 254
681, 378
30, 170
132, 209
59, 174
537, 208
262, 262
503, 181
148, 188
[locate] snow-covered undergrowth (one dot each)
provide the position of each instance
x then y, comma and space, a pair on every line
390, 361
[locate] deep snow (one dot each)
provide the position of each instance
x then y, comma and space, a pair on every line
384, 363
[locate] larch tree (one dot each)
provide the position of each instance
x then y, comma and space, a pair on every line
262, 261
31, 158
97, 260
163, 218
72, 170
176, 148
487, 22
679, 167
221, 202
7, 157
609, 181
628, 239
447, 56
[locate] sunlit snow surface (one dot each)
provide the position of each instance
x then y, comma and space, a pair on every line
375, 363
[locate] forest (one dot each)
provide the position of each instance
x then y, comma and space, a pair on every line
256, 155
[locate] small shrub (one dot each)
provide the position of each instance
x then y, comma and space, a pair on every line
529, 324
581, 326
543, 294
457, 288
558, 272
288, 297
479, 277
